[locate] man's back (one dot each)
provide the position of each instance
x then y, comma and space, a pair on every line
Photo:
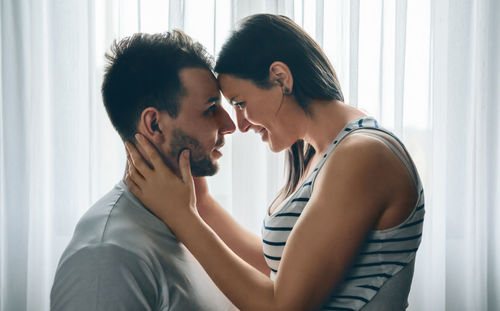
122, 257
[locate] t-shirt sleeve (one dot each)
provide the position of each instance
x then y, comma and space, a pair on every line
104, 277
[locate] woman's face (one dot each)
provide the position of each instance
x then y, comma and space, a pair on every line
266, 111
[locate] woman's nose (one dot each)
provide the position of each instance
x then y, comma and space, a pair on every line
243, 124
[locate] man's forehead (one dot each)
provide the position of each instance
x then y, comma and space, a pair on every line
200, 89
199, 81
195, 73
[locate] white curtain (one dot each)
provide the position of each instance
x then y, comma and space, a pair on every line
428, 70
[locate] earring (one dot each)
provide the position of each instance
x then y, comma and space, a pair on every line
287, 91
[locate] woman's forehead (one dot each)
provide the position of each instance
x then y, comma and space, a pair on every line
230, 83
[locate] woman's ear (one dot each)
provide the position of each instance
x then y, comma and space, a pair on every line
281, 74
149, 125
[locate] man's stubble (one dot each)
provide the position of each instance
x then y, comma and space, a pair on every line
201, 164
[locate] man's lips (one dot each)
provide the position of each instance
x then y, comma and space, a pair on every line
219, 144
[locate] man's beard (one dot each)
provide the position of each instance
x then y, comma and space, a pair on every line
201, 164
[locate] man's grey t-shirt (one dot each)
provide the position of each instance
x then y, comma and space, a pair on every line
122, 257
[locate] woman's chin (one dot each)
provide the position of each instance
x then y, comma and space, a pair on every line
275, 147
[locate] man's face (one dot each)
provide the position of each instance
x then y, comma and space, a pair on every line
200, 125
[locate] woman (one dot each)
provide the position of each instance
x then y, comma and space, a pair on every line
344, 231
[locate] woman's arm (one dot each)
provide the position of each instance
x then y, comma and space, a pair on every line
349, 197
244, 243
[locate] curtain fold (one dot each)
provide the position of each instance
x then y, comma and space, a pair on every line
428, 70
15, 85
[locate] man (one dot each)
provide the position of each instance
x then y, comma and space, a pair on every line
122, 257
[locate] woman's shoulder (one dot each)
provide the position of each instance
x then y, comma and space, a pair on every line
358, 154
360, 161
364, 165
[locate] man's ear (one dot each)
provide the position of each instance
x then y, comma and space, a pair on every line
149, 125
281, 74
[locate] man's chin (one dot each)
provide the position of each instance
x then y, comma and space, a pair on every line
205, 169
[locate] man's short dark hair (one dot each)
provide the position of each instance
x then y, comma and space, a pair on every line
143, 71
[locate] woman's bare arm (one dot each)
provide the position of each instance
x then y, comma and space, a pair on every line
349, 197
244, 243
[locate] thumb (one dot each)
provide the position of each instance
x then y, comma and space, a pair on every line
185, 167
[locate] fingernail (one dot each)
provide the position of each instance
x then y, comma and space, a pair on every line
186, 153
137, 136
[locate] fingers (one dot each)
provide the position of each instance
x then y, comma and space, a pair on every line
150, 150
185, 167
134, 174
129, 181
131, 169
133, 179
187, 177
132, 186
136, 160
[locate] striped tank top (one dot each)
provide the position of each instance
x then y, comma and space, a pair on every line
381, 275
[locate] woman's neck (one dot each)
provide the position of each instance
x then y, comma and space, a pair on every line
325, 120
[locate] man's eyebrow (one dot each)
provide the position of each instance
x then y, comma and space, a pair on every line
213, 99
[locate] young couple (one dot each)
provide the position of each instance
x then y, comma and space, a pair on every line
341, 235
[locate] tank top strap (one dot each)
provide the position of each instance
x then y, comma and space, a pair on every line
351, 126
369, 126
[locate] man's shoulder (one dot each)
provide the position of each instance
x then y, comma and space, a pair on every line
92, 256
119, 219
101, 276
92, 226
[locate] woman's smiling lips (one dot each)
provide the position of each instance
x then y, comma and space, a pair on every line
263, 133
